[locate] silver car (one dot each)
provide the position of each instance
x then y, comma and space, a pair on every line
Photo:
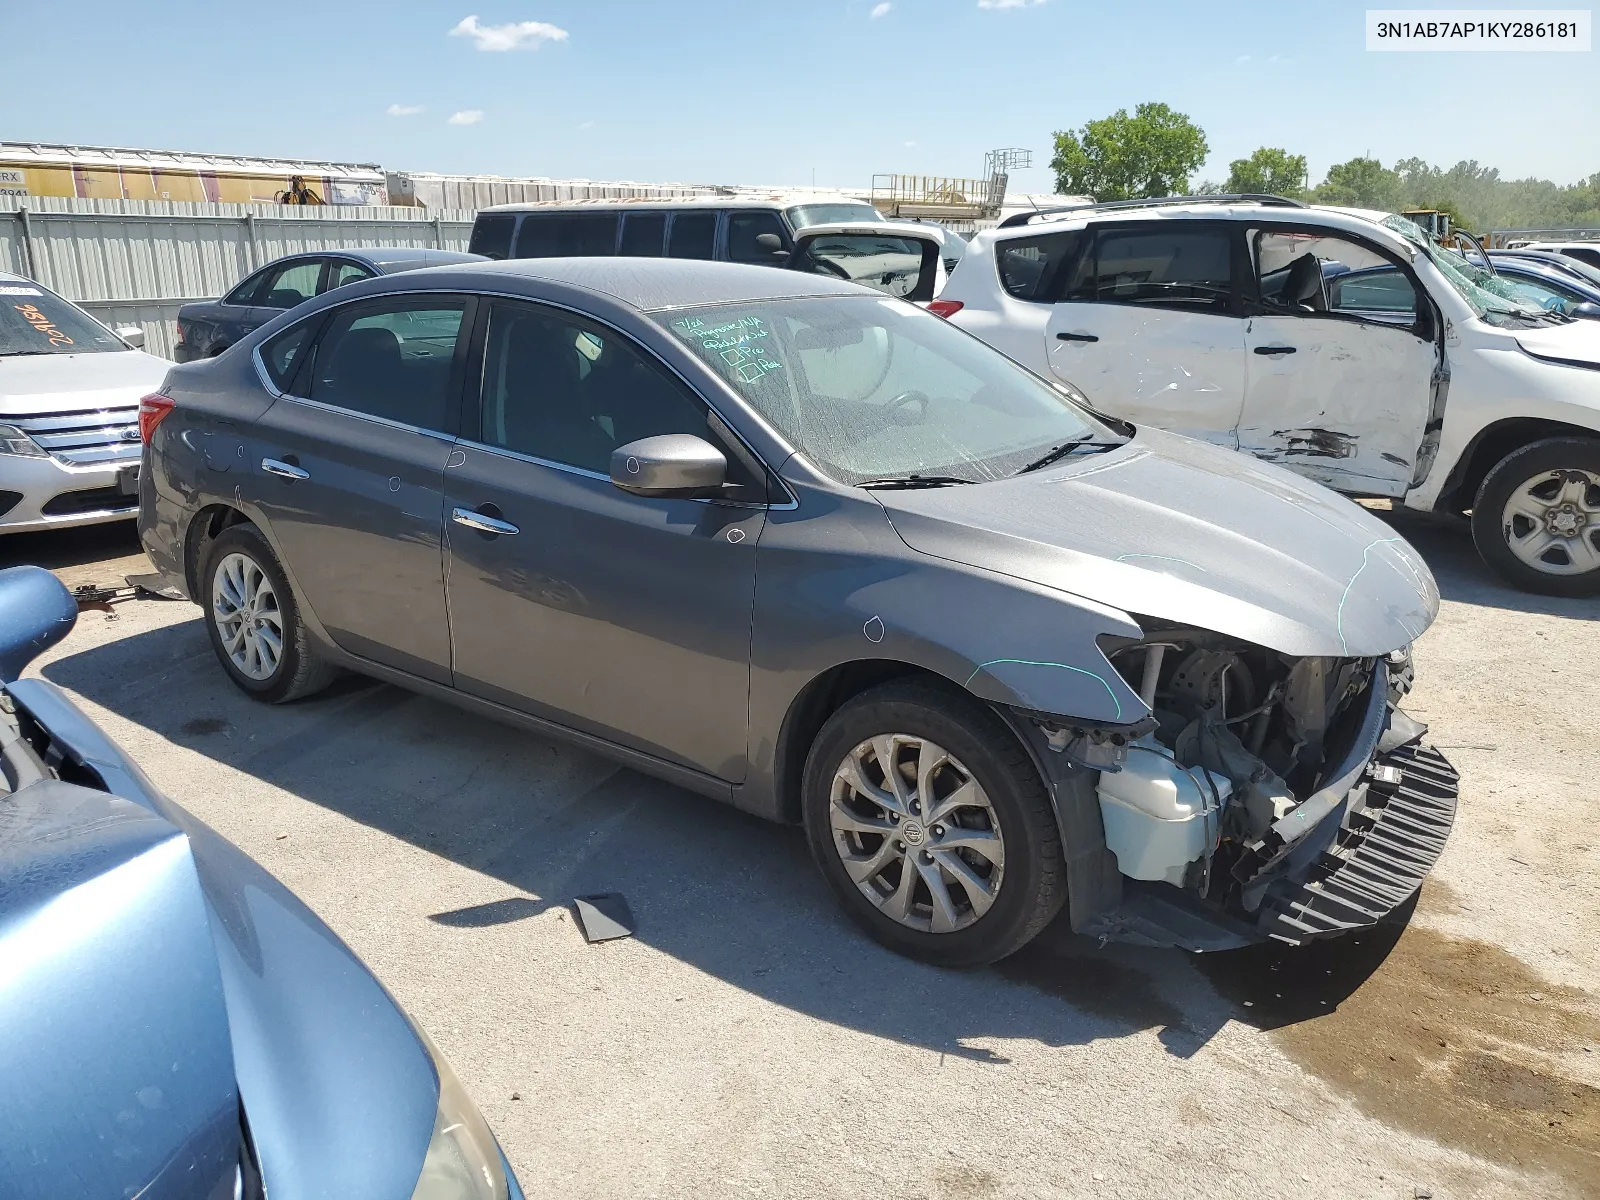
812, 551
69, 411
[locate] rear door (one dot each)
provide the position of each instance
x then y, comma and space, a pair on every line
1149, 324
623, 616
348, 472
1342, 365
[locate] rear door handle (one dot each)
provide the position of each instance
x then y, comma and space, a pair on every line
285, 470
481, 522
1274, 349
1076, 337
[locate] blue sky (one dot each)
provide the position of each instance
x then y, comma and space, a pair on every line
760, 92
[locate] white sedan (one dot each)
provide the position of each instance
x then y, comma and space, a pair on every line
69, 411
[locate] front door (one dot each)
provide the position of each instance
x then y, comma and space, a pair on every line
619, 615
349, 476
1150, 328
1342, 365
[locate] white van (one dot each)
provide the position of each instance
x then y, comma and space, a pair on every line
1343, 343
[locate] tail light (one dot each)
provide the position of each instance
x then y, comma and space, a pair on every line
153, 409
945, 308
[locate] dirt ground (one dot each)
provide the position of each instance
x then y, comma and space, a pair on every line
747, 1041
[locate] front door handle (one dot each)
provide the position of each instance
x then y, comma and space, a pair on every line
1076, 337
273, 466
1274, 349
481, 522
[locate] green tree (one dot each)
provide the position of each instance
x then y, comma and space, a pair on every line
1363, 183
1269, 170
1119, 157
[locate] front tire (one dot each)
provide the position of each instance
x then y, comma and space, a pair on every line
254, 623
931, 825
1536, 518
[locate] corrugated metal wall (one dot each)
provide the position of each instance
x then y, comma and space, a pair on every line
136, 262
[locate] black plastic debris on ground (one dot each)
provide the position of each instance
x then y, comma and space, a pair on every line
603, 916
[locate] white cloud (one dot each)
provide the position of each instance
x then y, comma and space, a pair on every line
467, 116
1009, 3
910, 143
1242, 58
403, 110
514, 35
880, 10
585, 125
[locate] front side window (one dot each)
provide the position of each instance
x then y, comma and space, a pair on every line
1304, 272
341, 273
1034, 268
292, 283
746, 232
692, 235
247, 291
34, 320
569, 392
391, 359
1159, 267
870, 388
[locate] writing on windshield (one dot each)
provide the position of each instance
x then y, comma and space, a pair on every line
741, 343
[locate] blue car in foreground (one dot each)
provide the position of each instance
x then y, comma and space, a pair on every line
173, 1022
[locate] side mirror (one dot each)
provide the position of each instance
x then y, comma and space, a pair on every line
36, 612
669, 464
1587, 309
772, 244
131, 334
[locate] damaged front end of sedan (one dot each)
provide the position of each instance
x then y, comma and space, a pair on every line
1264, 796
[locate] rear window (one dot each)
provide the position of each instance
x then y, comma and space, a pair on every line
491, 235
567, 235
1034, 268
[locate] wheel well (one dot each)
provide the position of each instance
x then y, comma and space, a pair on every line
818, 701
1491, 445
203, 529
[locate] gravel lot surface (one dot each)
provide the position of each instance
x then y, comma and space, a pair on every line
748, 1042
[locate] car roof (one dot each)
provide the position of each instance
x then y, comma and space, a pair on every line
651, 284
772, 200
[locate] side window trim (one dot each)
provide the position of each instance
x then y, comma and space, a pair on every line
473, 399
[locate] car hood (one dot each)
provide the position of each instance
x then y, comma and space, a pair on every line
1190, 534
44, 383
1577, 343
113, 1023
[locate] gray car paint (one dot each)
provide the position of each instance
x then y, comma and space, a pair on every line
1015, 622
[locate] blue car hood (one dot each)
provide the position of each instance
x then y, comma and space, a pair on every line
113, 1025
1190, 534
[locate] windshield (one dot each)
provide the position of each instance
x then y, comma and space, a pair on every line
1491, 297
804, 215
36, 321
870, 388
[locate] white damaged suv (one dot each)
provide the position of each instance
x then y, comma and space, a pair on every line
1345, 344
69, 411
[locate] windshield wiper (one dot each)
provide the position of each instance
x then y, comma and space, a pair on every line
904, 482
22, 353
1057, 453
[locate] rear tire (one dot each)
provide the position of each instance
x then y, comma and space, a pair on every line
1536, 517
253, 621
984, 836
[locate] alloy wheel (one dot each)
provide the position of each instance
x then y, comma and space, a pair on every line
249, 622
1551, 522
916, 833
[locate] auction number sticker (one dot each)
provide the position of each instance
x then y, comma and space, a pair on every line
1469, 29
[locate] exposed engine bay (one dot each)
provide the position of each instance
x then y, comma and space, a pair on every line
1253, 774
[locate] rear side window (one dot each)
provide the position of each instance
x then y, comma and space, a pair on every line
491, 235
692, 235
567, 235
643, 234
1190, 268
391, 359
1034, 268
283, 353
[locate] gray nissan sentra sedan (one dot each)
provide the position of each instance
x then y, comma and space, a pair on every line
814, 552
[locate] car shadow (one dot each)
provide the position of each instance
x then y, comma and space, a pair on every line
1446, 544
725, 892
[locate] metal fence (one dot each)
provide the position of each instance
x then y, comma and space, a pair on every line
135, 262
